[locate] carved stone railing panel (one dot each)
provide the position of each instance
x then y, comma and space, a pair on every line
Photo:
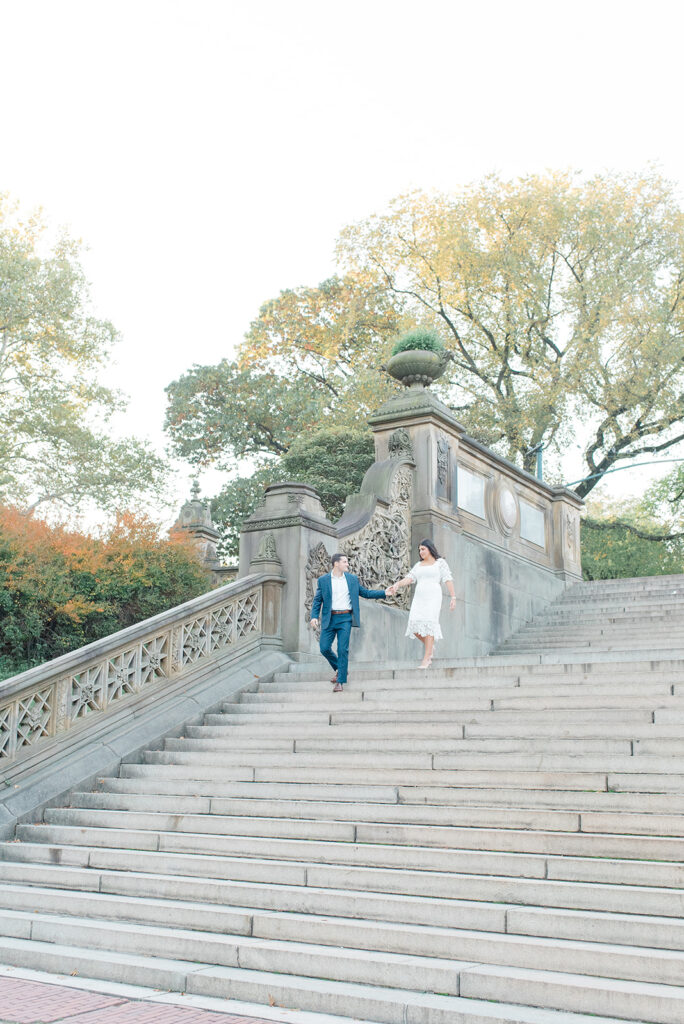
8, 731
380, 552
59, 699
247, 616
34, 716
88, 691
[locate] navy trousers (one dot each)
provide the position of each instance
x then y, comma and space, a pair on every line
340, 627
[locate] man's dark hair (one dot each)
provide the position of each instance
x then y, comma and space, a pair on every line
336, 557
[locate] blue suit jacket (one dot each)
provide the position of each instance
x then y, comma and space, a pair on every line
323, 598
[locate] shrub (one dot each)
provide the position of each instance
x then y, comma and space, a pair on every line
421, 338
60, 589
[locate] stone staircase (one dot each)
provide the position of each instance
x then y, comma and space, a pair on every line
613, 615
497, 840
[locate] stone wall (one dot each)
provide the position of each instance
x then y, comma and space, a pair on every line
511, 541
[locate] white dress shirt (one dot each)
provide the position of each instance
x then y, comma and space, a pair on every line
341, 601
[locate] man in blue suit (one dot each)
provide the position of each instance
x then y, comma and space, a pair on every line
337, 594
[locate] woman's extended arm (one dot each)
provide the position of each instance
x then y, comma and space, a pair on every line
406, 582
445, 573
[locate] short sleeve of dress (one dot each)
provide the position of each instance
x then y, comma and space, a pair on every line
444, 571
412, 573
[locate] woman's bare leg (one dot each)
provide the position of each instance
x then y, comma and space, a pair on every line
427, 642
429, 647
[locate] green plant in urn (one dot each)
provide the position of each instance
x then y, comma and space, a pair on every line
418, 357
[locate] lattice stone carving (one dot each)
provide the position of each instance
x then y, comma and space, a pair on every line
122, 674
6, 731
247, 616
222, 627
154, 658
195, 641
34, 713
380, 552
88, 691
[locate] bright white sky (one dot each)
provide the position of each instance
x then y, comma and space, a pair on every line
209, 151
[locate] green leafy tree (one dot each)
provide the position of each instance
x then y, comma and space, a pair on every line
310, 358
629, 538
561, 298
333, 461
217, 414
55, 448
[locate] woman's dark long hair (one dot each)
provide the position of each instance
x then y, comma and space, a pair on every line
431, 548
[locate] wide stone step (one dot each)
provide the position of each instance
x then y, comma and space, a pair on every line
648, 803
368, 831
626, 813
417, 762
359, 854
230, 906
494, 700
342, 712
428, 814
574, 686
537, 645
520, 702
455, 730
300, 851
363, 1002
498, 668
37, 861
207, 738
408, 777
415, 956
616, 683
442, 711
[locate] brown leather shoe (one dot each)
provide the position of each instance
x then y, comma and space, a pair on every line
334, 678
338, 688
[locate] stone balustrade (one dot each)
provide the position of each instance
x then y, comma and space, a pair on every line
76, 690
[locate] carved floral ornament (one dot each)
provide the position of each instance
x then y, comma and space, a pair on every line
46, 710
379, 553
267, 549
442, 459
571, 535
400, 446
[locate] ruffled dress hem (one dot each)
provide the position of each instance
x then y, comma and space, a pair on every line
424, 629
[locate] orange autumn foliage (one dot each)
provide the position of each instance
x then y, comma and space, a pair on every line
60, 589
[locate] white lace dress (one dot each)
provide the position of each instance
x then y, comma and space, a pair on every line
427, 599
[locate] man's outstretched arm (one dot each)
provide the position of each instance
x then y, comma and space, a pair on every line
373, 595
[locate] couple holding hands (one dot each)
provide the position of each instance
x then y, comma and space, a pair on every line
336, 601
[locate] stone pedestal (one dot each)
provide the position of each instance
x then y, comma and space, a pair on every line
288, 526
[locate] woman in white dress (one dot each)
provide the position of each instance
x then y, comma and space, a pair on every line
428, 575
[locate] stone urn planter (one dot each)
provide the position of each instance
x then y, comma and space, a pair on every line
418, 366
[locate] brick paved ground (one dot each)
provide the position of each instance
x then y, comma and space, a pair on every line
32, 1002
